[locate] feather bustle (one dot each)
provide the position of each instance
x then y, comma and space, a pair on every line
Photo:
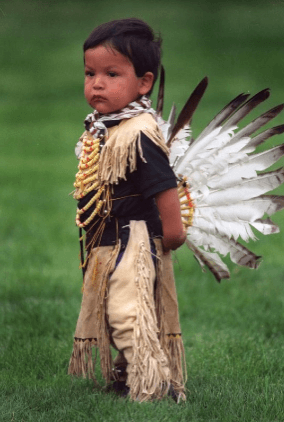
228, 193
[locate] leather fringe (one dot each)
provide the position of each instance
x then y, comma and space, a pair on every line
175, 352
82, 362
148, 375
119, 152
102, 326
172, 344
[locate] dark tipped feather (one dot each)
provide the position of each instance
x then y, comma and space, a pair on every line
160, 101
224, 114
217, 267
189, 108
257, 123
241, 255
246, 108
276, 201
263, 136
266, 226
266, 158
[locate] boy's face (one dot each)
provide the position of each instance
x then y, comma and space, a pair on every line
110, 80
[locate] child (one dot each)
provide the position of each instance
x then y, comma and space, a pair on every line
129, 207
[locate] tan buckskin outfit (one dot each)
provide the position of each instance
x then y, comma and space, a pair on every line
131, 306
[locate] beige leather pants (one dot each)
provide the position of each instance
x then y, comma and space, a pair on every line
132, 317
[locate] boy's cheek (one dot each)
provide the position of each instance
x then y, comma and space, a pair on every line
87, 92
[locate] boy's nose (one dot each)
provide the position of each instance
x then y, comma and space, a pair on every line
98, 83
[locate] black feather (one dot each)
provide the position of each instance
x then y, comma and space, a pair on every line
160, 100
189, 108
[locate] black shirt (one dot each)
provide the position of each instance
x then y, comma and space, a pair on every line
133, 198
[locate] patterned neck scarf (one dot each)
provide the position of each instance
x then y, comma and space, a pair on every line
94, 121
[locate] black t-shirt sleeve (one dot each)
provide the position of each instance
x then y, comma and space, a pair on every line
155, 174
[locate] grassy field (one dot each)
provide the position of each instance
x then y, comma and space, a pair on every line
233, 332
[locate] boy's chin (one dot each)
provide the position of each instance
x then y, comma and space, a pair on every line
104, 109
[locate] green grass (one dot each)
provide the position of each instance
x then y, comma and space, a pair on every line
233, 332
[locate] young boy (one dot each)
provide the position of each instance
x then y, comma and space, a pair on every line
129, 207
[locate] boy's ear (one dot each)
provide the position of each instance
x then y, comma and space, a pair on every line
146, 83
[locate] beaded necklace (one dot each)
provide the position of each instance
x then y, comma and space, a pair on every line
87, 180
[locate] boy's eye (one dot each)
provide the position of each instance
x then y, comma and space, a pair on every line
89, 73
112, 74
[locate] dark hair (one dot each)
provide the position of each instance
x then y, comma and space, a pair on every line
134, 39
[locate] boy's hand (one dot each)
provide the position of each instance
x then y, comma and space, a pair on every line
168, 205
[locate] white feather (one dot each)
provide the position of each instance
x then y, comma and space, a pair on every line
247, 169
234, 229
266, 226
247, 189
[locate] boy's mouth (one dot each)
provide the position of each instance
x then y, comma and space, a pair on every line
98, 98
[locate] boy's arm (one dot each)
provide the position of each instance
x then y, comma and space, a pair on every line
168, 205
